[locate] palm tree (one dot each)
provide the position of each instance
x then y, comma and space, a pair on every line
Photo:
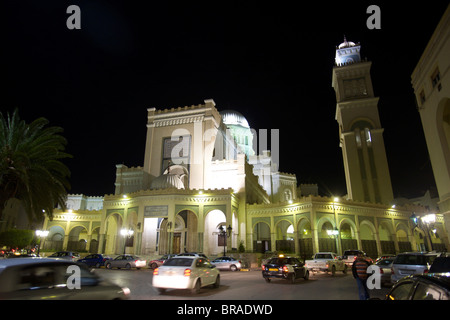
30, 166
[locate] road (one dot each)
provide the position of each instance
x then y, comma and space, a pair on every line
243, 286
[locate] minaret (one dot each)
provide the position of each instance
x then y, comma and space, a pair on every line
360, 132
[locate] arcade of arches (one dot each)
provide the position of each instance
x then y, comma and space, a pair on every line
185, 221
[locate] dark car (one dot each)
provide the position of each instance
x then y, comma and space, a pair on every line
282, 267
94, 260
440, 264
431, 286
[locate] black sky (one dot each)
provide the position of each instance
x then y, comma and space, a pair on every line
270, 61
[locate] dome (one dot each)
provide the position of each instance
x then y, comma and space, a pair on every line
346, 44
166, 181
231, 117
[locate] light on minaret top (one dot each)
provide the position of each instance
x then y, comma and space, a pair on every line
347, 53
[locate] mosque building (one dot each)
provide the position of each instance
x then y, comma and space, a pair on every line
204, 187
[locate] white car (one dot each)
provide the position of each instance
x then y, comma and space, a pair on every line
185, 273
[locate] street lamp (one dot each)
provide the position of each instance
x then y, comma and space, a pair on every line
126, 233
224, 234
41, 234
426, 223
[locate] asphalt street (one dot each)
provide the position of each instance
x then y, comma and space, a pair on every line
243, 285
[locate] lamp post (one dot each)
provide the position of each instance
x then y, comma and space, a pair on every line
41, 234
224, 234
427, 224
126, 233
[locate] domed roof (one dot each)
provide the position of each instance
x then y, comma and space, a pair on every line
166, 181
346, 44
231, 117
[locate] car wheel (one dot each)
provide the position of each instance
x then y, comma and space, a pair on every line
108, 266
267, 280
128, 266
197, 286
333, 270
161, 290
153, 266
233, 268
291, 279
345, 269
217, 283
306, 277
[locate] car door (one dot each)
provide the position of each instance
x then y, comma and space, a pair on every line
119, 262
296, 266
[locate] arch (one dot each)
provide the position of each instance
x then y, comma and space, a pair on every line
261, 236
113, 224
347, 232
281, 229
323, 220
77, 238
385, 231
367, 230
55, 239
181, 171
361, 123
213, 242
304, 228
401, 226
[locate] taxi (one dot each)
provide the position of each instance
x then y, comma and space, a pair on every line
282, 267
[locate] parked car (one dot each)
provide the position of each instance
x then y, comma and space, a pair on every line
409, 263
43, 278
227, 263
385, 270
350, 256
326, 262
384, 256
94, 260
66, 255
431, 286
192, 254
158, 262
440, 264
185, 272
126, 261
282, 267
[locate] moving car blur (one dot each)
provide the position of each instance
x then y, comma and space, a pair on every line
43, 278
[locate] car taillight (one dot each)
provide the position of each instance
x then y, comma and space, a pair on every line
263, 268
155, 272
381, 270
187, 272
425, 271
285, 269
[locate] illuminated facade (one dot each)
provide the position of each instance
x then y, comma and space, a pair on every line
431, 83
202, 177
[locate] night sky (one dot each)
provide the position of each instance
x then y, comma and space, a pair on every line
271, 61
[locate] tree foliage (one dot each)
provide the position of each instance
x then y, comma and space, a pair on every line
30, 166
16, 238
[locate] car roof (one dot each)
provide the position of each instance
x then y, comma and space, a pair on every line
5, 263
418, 253
442, 279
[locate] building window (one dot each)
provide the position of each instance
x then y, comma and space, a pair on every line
435, 77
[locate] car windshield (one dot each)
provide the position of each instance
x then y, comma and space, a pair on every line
278, 261
351, 253
178, 262
414, 259
384, 262
324, 256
